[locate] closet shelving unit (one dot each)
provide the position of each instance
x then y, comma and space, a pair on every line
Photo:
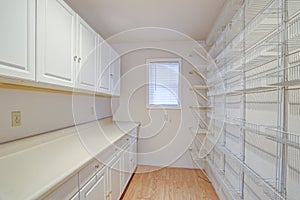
251, 144
199, 132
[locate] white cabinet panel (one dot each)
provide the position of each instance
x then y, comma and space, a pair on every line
133, 156
56, 42
87, 61
115, 71
17, 39
76, 196
115, 179
104, 72
126, 166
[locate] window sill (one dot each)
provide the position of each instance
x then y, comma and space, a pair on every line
164, 108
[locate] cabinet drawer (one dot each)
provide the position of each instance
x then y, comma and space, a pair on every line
114, 150
66, 191
122, 142
95, 188
89, 171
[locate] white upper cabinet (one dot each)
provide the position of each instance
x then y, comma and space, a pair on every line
47, 42
115, 74
104, 70
56, 43
87, 56
17, 39
108, 69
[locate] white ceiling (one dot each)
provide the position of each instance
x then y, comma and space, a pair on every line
194, 18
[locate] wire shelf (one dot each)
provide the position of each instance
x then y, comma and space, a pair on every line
200, 87
265, 184
198, 131
290, 139
200, 94
292, 73
250, 57
255, 9
261, 54
294, 164
202, 122
257, 78
294, 102
219, 174
200, 74
271, 133
262, 98
294, 33
293, 8
200, 107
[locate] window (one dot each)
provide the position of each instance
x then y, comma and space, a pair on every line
164, 83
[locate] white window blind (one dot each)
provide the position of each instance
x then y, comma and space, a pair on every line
163, 87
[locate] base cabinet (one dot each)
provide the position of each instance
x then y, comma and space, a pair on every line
102, 181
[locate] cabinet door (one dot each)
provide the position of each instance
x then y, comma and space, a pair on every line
126, 166
56, 30
133, 156
75, 197
115, 78
17, 39
115, 179
96, 188
87, 61
104, 71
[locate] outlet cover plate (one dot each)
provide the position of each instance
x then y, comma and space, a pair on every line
16, 118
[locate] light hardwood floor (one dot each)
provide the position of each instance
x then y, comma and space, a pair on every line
153, 183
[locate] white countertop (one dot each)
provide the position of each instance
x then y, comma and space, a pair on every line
31, 167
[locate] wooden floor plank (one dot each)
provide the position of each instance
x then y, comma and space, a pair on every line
154, 183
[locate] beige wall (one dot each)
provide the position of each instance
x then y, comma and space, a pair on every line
42, 112
164, 135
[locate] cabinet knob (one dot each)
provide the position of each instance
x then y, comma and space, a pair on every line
79, 60
75, 58
97, 166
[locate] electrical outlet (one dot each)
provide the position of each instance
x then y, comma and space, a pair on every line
15, 118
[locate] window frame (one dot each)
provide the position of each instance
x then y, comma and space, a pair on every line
166, 60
